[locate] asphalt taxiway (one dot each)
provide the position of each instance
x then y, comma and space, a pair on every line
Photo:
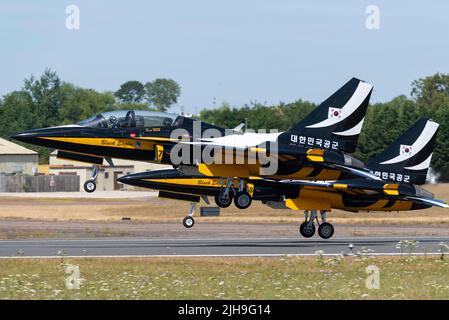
125, 247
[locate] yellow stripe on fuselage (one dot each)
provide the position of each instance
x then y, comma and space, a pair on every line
194, 182
123, 143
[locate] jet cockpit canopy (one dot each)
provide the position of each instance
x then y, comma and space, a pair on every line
130, 119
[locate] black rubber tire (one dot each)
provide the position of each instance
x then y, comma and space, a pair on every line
242, 200
188, 222
326, 230
221, 203
305, 231
90, 186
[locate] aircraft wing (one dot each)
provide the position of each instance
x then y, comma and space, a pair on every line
360, 186
319, 158
429, 201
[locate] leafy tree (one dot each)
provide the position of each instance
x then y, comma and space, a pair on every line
432, 91
162, 93
45, 96
16, 113
259, 116
79, 104
129, 106
130, 92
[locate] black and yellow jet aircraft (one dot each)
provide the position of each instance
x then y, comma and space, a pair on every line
314, 149
134, 135
401, 168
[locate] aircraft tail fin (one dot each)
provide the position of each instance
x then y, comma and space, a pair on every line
408, 158
336, 123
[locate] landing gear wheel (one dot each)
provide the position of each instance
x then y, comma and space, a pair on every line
307, 229
326, 230
188, 222
90, 186
242, 200
222, 202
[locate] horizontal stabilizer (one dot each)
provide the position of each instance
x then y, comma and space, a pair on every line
428, 201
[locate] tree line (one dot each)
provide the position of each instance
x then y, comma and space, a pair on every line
49, 101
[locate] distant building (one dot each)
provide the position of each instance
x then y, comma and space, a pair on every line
17, 159
107, 175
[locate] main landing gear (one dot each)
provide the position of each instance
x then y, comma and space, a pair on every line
242, 198
307, 228
224, 198
91, 184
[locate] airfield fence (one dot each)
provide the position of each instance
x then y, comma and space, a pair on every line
40, 183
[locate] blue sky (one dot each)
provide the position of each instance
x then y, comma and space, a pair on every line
234, 51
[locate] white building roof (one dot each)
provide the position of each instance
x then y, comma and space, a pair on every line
8, 147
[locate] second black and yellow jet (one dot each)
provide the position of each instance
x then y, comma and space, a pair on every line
402, 167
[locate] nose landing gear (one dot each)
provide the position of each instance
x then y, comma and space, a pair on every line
188, 221
91, 184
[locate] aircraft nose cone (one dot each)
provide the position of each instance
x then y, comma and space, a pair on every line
37, 136
26, 136
132, 177
125, 179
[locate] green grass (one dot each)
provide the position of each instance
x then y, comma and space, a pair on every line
227, 278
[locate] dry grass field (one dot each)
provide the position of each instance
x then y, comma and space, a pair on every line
227, 278
164, 210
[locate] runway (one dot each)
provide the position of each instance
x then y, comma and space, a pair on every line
215, 247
